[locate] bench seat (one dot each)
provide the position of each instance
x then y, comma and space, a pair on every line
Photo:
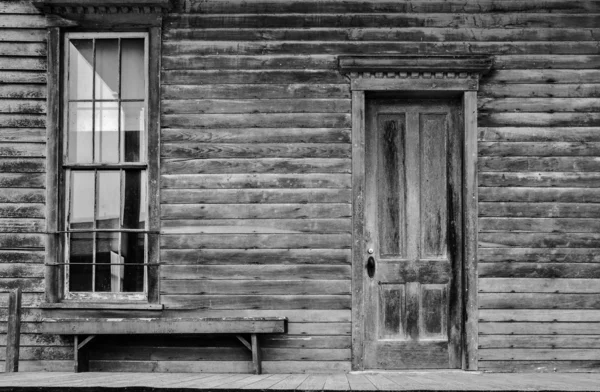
92, 327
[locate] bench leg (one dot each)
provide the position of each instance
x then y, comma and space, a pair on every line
256, 360
82, 357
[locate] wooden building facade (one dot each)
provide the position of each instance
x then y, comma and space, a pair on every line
410, 183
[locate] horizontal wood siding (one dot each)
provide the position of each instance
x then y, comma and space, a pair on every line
538, 175
256, 178
253, 106
22, 181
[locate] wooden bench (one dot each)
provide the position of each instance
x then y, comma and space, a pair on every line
85, 329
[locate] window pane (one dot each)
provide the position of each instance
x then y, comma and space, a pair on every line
107, 69
133, 250
133, 125
81, 61
81, 249
107, 245
80, 132
109, 200
107, 132
81, 209
133, 85
134, 205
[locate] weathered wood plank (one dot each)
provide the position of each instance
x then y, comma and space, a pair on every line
539, 119
520, 105
264, 150
383, 20
242, 62
545, 225
22, 225
13, 77
524, 328
22, 106
333, 34
548, 285
527, 164
545, 76
8, 165
540, 90
23, 91
539, 315
554, 354
256, 91
540, 210
200, 106
17, 256
538, 149
256, 272
27, 285
358, 48
548, 61
257, 120
22, 21
260, 135
529, 134
160, 326
13, 336
21, 270
265, 241
306, 342
23, 35
248, 226
262, 165
539, 179
21, 195
541, 366
255, 256
251, 196
250, 287
37, 150
21, 48
540, 195
541, 255
257, 301
22, 120
255, 211
23, 63
355, 6
20, 180
21, 240
14, 210
540, 301
199, 77
244, 181
542, 270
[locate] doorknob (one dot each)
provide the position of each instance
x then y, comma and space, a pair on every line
371, 267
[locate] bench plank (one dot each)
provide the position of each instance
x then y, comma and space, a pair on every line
92, 326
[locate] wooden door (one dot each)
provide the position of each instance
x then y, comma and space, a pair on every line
413, 224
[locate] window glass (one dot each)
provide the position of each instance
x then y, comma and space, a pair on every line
105, 137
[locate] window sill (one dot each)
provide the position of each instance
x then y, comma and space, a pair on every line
101, 305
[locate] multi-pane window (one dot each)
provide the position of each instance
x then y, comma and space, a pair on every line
105, 166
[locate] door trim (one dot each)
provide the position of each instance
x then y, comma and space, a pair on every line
434, 76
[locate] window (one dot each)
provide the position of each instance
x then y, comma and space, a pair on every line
104, 170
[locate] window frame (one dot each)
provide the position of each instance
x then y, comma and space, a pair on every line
56, 183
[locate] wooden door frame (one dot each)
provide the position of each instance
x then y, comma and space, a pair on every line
434, 76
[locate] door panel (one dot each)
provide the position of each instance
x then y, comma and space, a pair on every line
413, 224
